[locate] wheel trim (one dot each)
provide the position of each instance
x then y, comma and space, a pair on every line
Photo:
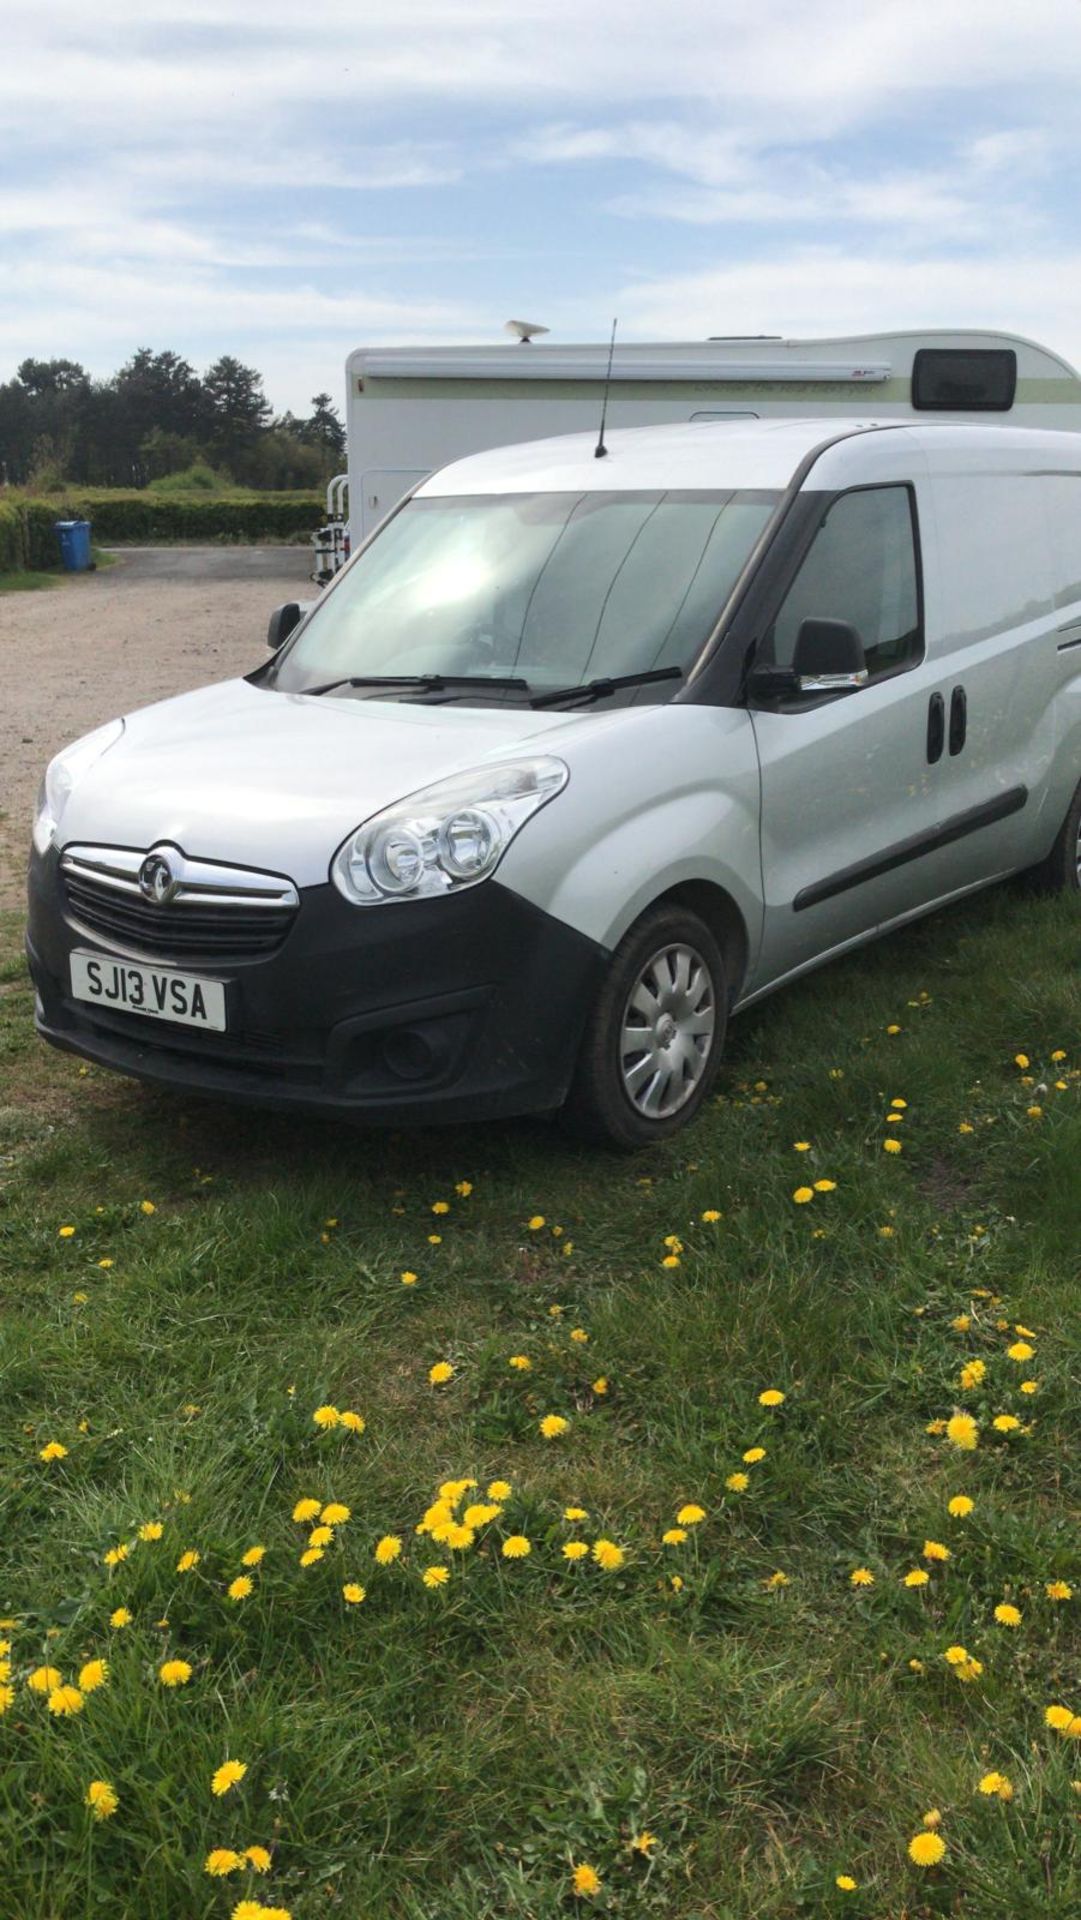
667, 1033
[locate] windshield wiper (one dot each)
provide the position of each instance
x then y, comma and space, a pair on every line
429, 682
600, 689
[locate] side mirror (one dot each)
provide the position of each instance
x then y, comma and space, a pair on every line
281, 624
828, 657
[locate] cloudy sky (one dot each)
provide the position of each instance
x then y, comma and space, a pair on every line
286, 182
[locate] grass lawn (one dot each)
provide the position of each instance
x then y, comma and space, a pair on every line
718, 1727
22, 581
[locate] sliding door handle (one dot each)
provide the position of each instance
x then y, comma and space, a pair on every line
936, 728
958, 719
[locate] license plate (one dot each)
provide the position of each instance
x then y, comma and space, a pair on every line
184, 999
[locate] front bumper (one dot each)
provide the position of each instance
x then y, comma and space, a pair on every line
465, 1008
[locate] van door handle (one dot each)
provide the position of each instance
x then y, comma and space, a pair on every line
936, 728
958, 719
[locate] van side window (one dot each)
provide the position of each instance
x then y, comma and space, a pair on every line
861, 568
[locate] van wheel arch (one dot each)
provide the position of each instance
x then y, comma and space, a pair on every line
724, 920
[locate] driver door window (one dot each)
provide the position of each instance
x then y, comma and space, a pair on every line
861, 568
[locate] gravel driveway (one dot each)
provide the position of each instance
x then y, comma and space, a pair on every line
162, 620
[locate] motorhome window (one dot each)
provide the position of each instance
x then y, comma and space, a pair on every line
862, 568
964, 380
554, 588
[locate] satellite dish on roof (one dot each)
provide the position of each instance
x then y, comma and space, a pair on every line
523, 330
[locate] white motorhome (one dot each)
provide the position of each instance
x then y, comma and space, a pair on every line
411, 410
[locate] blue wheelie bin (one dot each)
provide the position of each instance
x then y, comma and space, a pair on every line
74, 537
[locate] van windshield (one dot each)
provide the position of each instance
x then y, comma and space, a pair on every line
555, 589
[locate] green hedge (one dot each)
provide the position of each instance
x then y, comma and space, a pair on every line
28, 527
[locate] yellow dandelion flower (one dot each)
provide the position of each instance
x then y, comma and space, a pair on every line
307, 1510
1058, 1590
435, 1239
102, 1799
1058, 1718
803, 1195
44, 1679
861, 1577
311, 1556
521, 1362
575, 1550
608, 1555
890, 1145
926, 1849
64, 1701
327, 1416
846, 1883
222, 1860
753, 1455
240, 1588
1005, 1423
227, 1776
353, 1593
53, 1450
408, 1278
772, 1397
536, 1223
643, 1843
690, 1515
1030, 1386
174, 1673
440, 1373
960, 1506
441, 1206
114, 1555
252, 1557
962, 1432
917, 1578
956, 1656
499, 1490
711, 1215
120, 1617
586, 1881
1021, 1060
801, 1146
674, 1537
463, 1188
934, 1550
481, 1513
738, 1482
972, 1374
335, 1514
147, 1207
600, 1386
353, 1422
996, 1784
151, 1530
671, 1260
516, 1547
189, 1558
580, 1335
320, 1536
825, 1186
553, 1426
93, 1675
435, 1576
1008, 1616
969, 1670
259, 1859
1020, 1351
387, 1549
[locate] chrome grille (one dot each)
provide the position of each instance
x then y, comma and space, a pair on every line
212, 912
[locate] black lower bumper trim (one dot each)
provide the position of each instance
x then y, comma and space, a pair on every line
465, 1008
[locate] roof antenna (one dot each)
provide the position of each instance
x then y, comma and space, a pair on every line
600, 451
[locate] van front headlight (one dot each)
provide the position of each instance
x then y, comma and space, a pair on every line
61, 775
446, 837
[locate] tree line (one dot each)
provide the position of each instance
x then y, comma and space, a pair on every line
157, 417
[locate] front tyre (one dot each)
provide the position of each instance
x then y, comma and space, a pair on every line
653, 1042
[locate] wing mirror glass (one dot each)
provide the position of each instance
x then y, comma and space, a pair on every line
281, 623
